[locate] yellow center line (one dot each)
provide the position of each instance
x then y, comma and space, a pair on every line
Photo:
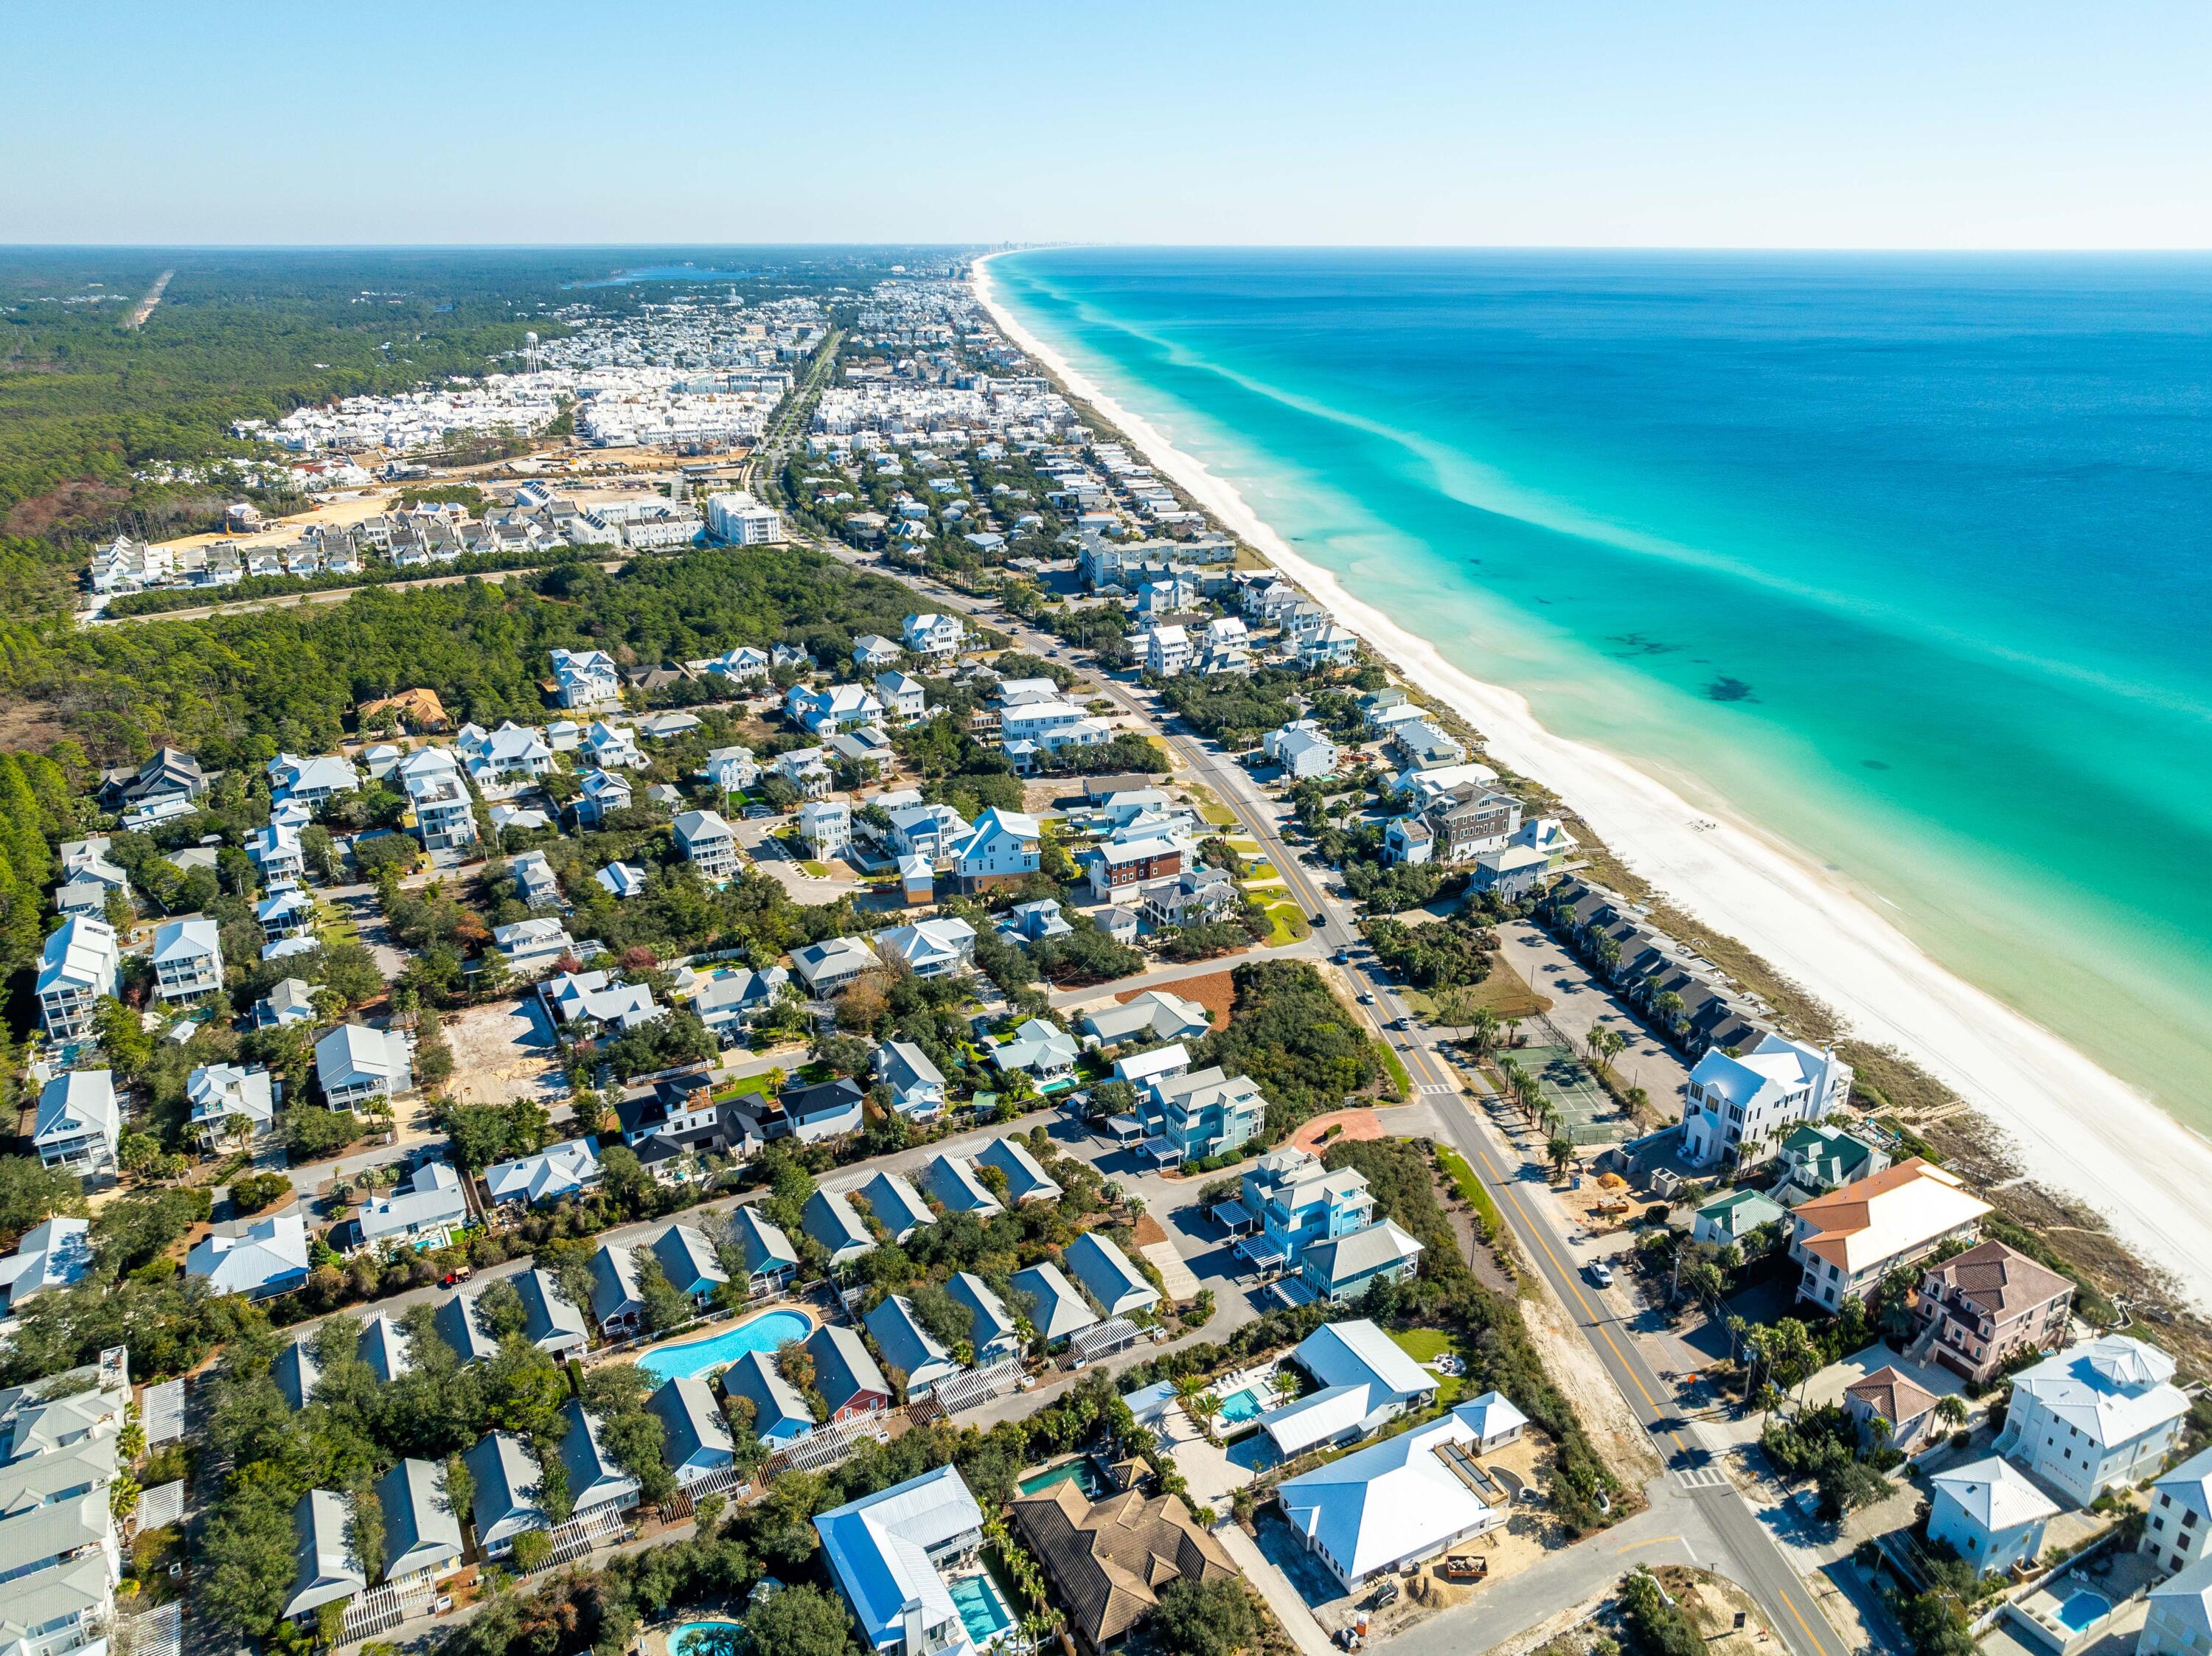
1655, 1541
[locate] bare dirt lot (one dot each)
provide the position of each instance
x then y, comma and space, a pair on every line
504, 1051
1215, 991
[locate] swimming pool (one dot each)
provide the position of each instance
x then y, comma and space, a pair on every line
1083, 1473
982, 1612
763, 1333
2084, 1610
1240, 1406
685, 1641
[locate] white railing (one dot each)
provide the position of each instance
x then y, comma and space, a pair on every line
825, 1447
978, 1385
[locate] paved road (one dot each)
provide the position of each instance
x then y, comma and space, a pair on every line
1744, 1550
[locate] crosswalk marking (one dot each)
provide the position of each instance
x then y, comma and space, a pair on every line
1438, 1086
1702, 1478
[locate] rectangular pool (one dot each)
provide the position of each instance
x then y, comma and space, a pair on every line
983, 1612
1242, 1405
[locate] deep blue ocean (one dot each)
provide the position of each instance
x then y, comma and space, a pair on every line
1906, 559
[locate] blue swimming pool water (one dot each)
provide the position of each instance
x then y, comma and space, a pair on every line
1240, 1406
982, 1612
763, 1333
681, 1642
2083, 1610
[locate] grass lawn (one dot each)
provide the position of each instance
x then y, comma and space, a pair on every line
819, 871
1472, 1191
741, 1086
1426, 1345
1261, 869
1290, 923
1397, 1066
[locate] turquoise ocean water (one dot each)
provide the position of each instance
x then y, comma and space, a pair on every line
1906, 559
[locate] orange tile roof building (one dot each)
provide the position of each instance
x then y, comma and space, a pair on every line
1849, 1239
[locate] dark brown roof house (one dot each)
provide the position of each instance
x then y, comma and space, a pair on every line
1111, 1559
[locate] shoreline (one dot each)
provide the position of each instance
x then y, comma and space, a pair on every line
2073, 1126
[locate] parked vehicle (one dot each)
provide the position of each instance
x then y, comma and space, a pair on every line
1599, 1272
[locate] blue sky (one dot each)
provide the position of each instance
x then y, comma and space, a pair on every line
1958, 125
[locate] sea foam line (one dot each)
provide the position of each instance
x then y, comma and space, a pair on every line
2076, 1128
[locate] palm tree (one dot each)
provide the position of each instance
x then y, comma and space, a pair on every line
1483, 1032
1951, 1410
1561, 1151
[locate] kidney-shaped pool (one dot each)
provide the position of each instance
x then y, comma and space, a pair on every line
763, 1333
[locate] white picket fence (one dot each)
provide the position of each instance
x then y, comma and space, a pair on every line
386, 1607
978, 1385
823, 1447
602, 1525
158, 1632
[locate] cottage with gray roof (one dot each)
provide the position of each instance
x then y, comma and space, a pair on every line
696, 1439
552, 1323
846, 1374
688, 1260
992, 1333
830, 1219
327, 1572
1025, 1181
899, 1207
908, 1348
507, 1501
594, 1479
780, 1414
422, 1531
953, 1182
1107, 1275
1056, 1309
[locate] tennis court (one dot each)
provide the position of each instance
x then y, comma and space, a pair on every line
1592, 1118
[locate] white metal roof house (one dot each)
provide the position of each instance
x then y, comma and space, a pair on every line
187, 960
217, 1092
1739, 1108
1364, 1381
829, 965
430, 1210
708, 843
561, 1170
355, 1063
889, 1552
1039, 1049
917, 1085
79, 1122
1990, 1513
2101, 1414
80, 962
268, 1258
1398, 1502
932, 948
52, 1253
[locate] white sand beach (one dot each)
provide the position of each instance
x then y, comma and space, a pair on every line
2075, 1127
